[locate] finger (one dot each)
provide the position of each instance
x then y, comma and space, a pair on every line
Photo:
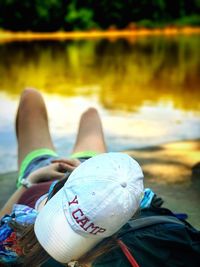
73, 162
68, 161
63, 167
60, 166
59, 175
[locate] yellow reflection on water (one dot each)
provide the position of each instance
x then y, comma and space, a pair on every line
122, 75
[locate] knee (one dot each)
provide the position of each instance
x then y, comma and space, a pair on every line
90, 112
29, 93
30, 100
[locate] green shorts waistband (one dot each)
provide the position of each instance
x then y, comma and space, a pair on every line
31, 156
83, 154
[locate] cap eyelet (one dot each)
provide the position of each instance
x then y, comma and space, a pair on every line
123, 184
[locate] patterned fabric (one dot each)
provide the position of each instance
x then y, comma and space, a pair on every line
9, 252
147, 198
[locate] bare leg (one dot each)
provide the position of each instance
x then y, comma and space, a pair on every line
90, 134
32, 124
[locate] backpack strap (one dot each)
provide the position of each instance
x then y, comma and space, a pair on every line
136, 224
127, 253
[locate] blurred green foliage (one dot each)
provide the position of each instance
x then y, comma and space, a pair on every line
53, 15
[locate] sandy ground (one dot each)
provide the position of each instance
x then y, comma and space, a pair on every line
169, 171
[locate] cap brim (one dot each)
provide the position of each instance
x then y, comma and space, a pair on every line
56, 235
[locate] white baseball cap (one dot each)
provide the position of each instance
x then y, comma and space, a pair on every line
99, 197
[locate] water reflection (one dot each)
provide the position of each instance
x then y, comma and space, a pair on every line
122, 74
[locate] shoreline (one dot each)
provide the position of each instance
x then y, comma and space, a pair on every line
170, 149
95, 34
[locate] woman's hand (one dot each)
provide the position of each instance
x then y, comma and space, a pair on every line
71, 163
55, 170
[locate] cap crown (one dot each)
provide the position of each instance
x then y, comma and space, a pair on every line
102, 194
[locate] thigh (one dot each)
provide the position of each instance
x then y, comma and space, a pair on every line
90, 135
32, 124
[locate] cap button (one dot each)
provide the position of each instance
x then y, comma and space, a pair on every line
124, 184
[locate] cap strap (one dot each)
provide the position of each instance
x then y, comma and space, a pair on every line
127, 253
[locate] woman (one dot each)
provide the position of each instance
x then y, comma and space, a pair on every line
86, 215
65, 207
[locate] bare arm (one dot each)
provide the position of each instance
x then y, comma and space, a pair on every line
53, 171
7, 208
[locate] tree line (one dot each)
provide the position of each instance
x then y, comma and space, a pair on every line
54, 15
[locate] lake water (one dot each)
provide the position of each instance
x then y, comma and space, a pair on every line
146, 89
